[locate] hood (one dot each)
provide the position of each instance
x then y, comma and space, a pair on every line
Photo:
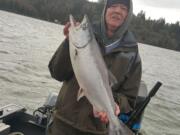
120, 31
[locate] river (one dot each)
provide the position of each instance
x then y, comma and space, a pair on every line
27, 45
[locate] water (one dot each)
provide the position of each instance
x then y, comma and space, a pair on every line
26, 46
163, 113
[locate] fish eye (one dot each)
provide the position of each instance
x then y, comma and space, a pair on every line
84, 26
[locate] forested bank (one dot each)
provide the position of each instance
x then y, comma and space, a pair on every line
154, 32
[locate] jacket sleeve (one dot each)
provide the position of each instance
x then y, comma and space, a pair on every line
60, 64
126, 96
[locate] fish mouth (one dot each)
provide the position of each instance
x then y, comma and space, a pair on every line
84, 25
71, 19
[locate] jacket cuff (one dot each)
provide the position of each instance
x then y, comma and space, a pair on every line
122, 101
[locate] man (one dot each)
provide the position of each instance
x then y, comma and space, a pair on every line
120, 52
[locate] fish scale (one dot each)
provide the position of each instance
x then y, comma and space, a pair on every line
92, 74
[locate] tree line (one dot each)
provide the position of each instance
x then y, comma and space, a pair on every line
153, 32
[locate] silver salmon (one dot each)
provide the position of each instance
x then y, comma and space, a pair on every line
92, 74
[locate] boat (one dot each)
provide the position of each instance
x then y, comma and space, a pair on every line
16, 120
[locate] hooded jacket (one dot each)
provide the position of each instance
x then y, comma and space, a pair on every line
122, 59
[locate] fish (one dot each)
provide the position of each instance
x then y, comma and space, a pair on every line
92, 74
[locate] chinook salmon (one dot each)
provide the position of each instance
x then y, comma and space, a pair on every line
92, 74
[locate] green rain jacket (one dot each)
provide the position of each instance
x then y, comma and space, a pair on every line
122, 59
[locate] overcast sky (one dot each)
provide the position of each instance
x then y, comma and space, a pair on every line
168, 9
155, 9
171, 4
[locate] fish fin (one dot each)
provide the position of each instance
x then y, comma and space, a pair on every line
80, 94
112, 78
95, 112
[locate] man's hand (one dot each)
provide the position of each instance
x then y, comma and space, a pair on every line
103, 115
66, 29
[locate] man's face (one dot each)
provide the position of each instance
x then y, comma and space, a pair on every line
115, 16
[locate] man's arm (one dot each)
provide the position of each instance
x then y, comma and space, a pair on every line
129, 89
60, 65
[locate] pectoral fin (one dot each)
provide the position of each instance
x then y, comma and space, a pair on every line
112, 79
80, 94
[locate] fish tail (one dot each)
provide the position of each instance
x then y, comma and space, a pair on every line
114, 130
119, 129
